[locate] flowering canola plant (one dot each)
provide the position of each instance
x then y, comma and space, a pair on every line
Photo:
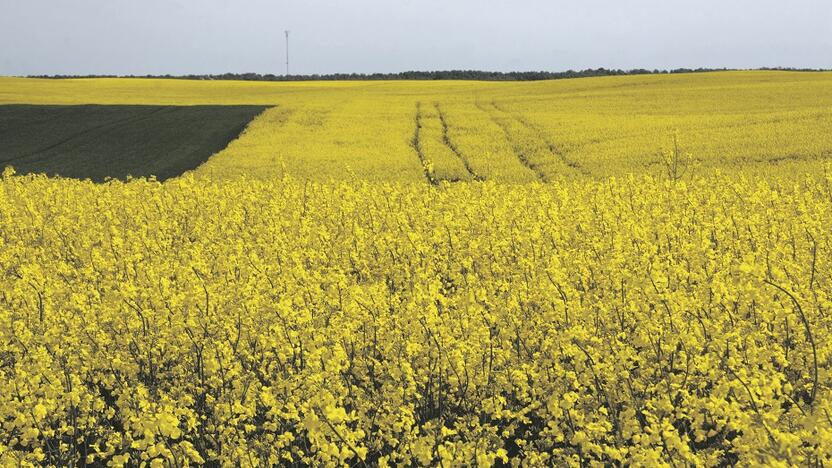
245, 322
607, 271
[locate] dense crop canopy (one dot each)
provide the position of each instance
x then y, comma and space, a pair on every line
610, 271
630, 320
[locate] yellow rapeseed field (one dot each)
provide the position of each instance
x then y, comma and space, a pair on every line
753, 122
607, 271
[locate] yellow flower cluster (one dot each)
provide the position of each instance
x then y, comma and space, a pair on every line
627, 320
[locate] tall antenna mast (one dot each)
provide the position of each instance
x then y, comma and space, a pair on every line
287, 52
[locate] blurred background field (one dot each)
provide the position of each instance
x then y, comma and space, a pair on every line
756, 122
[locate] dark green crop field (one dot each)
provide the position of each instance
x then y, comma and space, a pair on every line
100, 141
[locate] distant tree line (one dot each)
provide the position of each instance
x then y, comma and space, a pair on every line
477, 75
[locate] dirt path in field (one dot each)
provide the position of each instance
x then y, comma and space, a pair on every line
450, 144
416, 143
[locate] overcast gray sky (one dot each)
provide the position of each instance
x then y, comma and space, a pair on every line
216, 36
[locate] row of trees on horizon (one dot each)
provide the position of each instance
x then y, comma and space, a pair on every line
478, 75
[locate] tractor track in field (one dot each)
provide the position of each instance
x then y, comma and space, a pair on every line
542, 136
446, 138
416, 144
518, 150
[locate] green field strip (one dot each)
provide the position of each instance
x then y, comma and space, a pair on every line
98, 142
